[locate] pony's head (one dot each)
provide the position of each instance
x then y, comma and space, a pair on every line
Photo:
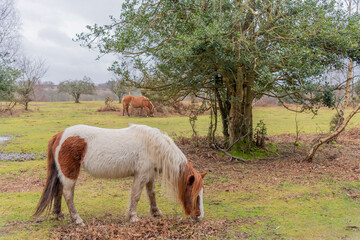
191, 187
151, 108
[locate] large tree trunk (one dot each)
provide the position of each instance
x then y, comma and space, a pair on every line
240, 115
77, 97
224, 107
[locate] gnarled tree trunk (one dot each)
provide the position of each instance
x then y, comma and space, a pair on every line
240, 115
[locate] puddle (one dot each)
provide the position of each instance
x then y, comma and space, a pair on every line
3, 139
20, 157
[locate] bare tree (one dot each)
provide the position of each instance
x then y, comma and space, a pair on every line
77, 87
9, 25
118, 88
9, 44
32, 70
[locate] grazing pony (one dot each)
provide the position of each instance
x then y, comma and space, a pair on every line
139, 151
137, 102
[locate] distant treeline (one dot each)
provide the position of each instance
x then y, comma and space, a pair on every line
48, 92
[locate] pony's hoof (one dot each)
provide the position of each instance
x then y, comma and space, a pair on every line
157, 213
133, 219
80, 222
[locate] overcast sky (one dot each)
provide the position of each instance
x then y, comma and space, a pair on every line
48, 27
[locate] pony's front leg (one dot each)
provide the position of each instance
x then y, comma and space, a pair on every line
68, 192
135, 194
150, 188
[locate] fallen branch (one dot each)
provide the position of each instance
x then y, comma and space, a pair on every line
229, 154
325, 139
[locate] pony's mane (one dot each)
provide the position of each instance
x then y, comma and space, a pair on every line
164, 154
196, 187
149, 102
152, 106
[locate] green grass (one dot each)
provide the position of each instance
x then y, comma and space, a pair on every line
32, 130
320, 210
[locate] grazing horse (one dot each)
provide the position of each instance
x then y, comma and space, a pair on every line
137, 102
139, 151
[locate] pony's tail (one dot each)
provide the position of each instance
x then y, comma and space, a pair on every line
52, 181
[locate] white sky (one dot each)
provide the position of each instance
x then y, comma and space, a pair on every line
48, 27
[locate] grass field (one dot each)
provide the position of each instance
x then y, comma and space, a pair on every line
314, 210
32, 130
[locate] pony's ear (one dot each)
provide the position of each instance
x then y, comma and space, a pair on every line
190, 180
203, 174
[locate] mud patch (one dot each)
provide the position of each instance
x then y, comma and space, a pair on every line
4, 139
20, 157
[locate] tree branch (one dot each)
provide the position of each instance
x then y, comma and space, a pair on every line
323, 140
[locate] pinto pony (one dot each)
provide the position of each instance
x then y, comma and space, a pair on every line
139, 151
137, 102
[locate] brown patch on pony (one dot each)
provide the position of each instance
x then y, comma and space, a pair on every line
71, 154
190, 185
52, 184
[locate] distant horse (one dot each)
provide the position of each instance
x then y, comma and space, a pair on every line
139, 151
137, 102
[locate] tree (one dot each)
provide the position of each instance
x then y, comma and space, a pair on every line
9, 36
235, 51
9, 24
77, 87
31, 71
118, 88
349, 77
8, 76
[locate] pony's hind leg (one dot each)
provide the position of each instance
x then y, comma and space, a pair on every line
70, 156
135, 194
68, 191
57, 204
150, 188
124, 107
127, 110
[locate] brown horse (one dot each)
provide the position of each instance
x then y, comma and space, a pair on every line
137, 102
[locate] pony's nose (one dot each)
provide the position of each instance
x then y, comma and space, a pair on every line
196, 216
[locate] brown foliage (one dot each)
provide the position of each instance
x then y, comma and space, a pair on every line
146, 228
